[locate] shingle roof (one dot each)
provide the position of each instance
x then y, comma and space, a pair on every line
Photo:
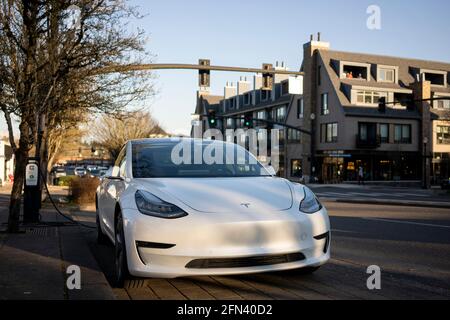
213, 99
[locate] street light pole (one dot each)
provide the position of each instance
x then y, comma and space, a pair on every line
426, 182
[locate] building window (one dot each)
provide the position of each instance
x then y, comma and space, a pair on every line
355, 72
386, 75
384, 132
296, 168
442, 104
402, 133
300, 108
231, 103
265, 94
279, 114
230, 123
284, 87
294, 136
443, 134
436, 79
329, 133
324, 104
363, 132
247, 99
369, 97
261, 115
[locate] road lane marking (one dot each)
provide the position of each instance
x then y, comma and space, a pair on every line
408, 222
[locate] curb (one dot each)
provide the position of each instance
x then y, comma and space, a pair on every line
392, 203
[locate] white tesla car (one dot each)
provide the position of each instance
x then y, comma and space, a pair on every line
169, 219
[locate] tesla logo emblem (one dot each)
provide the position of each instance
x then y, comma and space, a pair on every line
247, 205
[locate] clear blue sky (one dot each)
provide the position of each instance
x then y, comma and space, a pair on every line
250, 32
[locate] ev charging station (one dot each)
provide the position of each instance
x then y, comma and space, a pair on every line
31, 205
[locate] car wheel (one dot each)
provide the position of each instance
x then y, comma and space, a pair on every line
122, 274
101, 237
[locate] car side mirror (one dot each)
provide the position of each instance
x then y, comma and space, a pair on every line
271, 170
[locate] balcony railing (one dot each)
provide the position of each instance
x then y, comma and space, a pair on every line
368, 143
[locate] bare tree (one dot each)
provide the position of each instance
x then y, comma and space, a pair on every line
50, 56
112, 132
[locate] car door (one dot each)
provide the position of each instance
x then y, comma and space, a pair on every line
113, 187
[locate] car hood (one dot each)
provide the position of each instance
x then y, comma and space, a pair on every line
220, 195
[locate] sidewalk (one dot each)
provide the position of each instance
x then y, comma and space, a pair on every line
34, 263
382, 195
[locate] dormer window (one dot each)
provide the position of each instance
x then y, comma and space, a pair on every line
354, 70
247, 99
231, 103
265, 94
437, 79
386, 75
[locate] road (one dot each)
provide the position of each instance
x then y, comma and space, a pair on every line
411, 245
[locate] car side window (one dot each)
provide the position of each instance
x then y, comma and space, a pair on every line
122, 167
117, 172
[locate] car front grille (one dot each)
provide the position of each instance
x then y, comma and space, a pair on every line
216, 263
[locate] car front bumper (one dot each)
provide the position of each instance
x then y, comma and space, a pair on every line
238, 242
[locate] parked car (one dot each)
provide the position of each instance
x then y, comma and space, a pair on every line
170, 220
95, 173
70, 171
80, 171
91, 167
56, 173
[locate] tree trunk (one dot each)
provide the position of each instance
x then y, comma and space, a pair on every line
16, 193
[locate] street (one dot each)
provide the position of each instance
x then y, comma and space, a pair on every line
411, 245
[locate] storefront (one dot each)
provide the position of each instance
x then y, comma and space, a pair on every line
380, 166
440, 168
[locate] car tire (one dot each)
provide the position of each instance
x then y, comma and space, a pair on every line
101, 237
122, 275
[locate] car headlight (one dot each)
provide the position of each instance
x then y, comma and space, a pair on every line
151, 205
310, 203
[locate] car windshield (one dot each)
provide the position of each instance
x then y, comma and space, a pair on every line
193, 159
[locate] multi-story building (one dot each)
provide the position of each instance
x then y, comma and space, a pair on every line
339, 104
249, 99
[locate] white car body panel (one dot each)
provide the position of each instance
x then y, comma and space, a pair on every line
227, 218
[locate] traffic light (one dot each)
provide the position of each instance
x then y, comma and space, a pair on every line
204, 76
248, 121
382, 105
267, 78
212, 119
